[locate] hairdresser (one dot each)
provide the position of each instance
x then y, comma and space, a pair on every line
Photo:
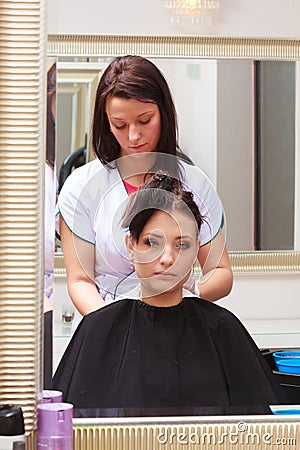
134, 134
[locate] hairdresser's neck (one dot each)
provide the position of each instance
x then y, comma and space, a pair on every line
164, 300
135, 169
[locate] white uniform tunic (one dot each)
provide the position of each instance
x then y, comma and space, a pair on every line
92, 202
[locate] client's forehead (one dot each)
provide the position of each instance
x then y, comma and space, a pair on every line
171, 223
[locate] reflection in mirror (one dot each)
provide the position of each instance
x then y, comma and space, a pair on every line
275, 149
224, 145
162, 350
77, 84
50, 183
49, 225
249, 153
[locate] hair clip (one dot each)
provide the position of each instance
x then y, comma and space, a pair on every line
159, 177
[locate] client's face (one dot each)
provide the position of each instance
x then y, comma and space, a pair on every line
165, 253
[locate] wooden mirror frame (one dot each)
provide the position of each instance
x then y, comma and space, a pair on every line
22, 149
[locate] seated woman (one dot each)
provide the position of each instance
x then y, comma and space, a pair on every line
163, 350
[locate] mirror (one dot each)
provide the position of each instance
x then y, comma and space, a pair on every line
49, 226
244, 148
244, 261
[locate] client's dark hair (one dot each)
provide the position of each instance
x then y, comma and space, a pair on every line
161, 193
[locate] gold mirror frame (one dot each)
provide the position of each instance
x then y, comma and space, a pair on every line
22, 162
285, 262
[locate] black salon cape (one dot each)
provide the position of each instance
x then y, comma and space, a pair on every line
130, 354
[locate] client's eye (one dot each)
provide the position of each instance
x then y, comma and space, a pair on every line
151, 243
184, 245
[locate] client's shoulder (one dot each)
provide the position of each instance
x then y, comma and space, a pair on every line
214, 313
110, 313
111, 308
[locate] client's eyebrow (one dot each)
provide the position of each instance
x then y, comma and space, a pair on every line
160, 235
153, 234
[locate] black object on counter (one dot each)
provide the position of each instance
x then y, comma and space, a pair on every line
11, 420
289, 382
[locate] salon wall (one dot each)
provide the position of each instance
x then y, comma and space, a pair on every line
272, 18
253, 297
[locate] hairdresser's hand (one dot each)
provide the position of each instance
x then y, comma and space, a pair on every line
191, 285
216, 281
79, 258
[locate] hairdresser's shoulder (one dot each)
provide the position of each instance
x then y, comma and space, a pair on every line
92, 176
87, 170
195, 178
192, 171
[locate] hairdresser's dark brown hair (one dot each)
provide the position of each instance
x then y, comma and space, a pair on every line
50, 130
138, 78
161, 193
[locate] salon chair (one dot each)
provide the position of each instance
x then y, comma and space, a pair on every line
76, 159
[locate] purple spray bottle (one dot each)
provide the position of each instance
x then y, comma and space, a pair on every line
54, 426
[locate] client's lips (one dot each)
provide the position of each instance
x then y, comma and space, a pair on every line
165, 275
137, 147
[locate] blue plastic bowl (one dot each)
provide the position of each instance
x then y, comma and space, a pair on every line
289, 365
285, 354
290, 354
287, 411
